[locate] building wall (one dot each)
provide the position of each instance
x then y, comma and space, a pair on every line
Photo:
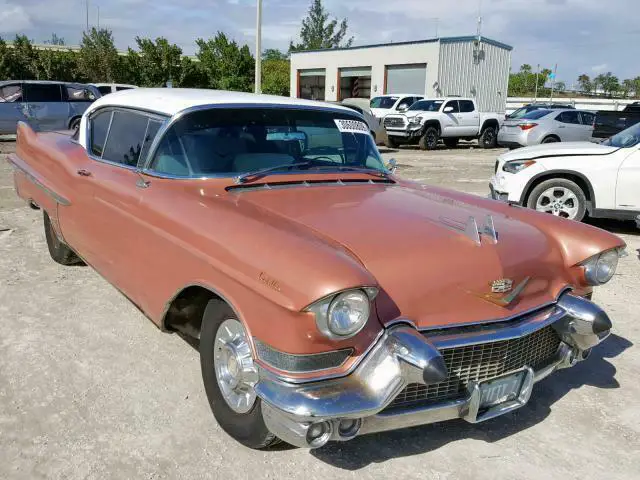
375, 57
486, 80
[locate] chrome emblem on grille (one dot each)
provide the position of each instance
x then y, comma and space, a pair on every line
503, 285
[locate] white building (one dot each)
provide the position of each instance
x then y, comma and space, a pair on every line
433, 68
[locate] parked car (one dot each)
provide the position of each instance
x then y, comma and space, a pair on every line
449, 119
608, 123
43, 105
522, 111
261, 228
374, 123
106, 88
546, 126
574, 179
383, 105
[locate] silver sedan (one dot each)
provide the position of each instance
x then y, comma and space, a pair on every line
546, 126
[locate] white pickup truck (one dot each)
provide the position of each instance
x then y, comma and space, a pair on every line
452, 119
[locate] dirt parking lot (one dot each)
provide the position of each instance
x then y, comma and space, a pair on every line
90, 389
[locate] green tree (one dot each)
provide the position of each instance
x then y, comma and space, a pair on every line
276, 77
191, 74
23, 60
319, 32
159, 61
57, 65
227, 65
627, 87
585, 83
608, 82
636, 87
560, 86
274, 54
523, 83
98, 60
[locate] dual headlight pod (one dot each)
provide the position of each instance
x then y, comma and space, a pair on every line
343, 315
600, 268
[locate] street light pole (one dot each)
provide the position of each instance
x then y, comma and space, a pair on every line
258, 88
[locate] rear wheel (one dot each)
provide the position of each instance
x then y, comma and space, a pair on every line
450, 142
74, 124
551, 140
429, 139
60, 252
230, 375
559, 197
489, 138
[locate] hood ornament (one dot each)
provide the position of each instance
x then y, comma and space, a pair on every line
504, 285
471, 230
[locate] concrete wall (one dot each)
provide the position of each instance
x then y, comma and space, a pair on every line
375, 57
486, 80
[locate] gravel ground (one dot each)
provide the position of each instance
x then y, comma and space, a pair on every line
90, 389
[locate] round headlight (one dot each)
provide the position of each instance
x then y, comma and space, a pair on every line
606, 266
600, 269
348, 313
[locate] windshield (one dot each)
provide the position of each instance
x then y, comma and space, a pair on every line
521, 112
230, 142
427, 105
535, 114
626, 138
383, 102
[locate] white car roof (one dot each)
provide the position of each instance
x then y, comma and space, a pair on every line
170, 101
399, 95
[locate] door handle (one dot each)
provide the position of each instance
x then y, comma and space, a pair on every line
142, 183
561, 126
84, 173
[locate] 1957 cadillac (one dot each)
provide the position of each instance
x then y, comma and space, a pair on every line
329, 297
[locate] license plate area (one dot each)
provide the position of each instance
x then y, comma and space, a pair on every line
497, 396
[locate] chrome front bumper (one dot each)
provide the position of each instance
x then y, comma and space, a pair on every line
356, 404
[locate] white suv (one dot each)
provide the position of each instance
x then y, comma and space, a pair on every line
573, 179
385, 104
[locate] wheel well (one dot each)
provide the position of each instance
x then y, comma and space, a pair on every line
73, 119
433, 123
551, 136
579, 180
184, 312
489, 123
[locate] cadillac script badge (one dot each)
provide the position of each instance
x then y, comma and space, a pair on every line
503, 285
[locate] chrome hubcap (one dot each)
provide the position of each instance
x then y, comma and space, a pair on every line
558, 201
235, 370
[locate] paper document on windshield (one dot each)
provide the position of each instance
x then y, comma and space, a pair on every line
351, 126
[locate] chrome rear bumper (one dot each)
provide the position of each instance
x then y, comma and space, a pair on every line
343, 408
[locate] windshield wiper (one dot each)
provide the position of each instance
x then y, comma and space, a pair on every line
243, 178
370, 171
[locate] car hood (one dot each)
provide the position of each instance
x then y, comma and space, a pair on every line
381, 112
561, 149
412, 240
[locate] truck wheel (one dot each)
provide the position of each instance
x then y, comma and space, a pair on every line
390, 142
489, 138
429, 139
560, 197
229, 376
74, 124
450, 142
60, 253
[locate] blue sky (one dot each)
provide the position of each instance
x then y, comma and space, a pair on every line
581, 36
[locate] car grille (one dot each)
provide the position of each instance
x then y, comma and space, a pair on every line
394, 122
481, 362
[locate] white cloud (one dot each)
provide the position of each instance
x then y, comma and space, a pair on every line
600, 68
14, 18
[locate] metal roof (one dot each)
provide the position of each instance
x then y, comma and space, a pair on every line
468, 38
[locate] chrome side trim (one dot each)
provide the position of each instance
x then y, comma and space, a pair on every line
57, 197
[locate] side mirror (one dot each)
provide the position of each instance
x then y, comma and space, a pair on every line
403, 108
448, 109
392, 165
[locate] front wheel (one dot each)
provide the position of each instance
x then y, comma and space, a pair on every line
390, 142
429, 139
229, 376
75, 124
489, 138
559, 197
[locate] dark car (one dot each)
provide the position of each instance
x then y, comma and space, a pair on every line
608, 123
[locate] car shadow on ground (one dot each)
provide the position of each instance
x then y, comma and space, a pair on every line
626, 227
596, 371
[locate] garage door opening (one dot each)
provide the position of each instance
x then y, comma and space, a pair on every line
354, 82
311, 84
408, 78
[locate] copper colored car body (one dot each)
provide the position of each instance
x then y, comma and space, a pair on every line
470, 301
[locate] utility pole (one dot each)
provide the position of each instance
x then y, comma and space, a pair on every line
258, 88
536, 94
87, 11
437, 25
553, 83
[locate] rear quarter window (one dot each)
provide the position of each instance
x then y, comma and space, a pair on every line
43, 92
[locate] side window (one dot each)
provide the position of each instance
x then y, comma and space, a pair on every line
454, 105
405, 102
43, 92
122, 88
568, 117
152, 129
99, 128
11, 93
467, 106
588, 118
104, 89
79, 94
125, 139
